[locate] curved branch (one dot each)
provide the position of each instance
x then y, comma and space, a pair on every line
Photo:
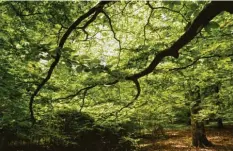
87, 35
53, 65
204, 17
135, 98
75, 94
137, 84
196, 60
70, 96
95, 9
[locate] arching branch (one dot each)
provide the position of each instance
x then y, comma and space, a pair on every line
93, 10
204, 17
70, 96
137, 84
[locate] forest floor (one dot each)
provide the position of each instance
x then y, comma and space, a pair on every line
180, 140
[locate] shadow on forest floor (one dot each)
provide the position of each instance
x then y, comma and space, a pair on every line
180, 140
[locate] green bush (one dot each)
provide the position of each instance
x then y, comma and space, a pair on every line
81, 133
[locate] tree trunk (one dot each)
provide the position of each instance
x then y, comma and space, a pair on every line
206, 122
219, 122
3, 143
199, 138
189, 118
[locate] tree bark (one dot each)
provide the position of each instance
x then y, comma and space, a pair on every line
218, 103
189, 118
3, 143
199, 138
219, 122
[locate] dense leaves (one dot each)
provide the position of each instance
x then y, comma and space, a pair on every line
111, 70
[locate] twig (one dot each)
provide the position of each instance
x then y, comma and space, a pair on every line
199, 58
83, 100
162, 7
147, 23
114, 33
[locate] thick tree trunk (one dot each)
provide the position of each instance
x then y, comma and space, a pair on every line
218, 103
3, 143
219, 122
199, 138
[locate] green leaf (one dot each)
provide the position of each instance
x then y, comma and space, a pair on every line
211, 25
67, 49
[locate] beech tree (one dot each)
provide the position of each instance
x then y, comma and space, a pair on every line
101, 52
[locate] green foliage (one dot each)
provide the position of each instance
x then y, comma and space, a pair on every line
93, 58
211, 25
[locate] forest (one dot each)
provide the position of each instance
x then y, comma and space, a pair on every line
116, 75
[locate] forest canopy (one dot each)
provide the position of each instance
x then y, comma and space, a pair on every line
114, 64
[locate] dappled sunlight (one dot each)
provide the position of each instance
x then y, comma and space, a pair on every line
116, 76
179, 140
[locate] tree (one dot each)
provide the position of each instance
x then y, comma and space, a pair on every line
198, 130
108, 50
